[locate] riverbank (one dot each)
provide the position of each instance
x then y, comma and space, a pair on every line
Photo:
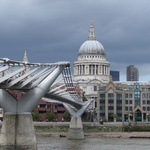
93, 130
99, 135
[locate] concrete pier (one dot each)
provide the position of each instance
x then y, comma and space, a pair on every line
18, 132
76, 129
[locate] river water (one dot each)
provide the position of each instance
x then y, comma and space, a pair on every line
57, 143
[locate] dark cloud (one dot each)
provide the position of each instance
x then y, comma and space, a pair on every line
53, 30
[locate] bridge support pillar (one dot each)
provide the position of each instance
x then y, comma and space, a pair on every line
18, 133
76, 129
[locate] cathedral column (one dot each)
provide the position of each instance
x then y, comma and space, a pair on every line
95, 69
105, 69
83, 69
102, 69
91, 69
86, 69
79, 69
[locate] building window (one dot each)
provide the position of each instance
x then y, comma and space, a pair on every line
95, 88
126, 108
137, 94
130, 108
42, 106
126, 101
119, 108
102, 88
126, 95
102, 101
110, 96
148, 101
130, 101
130, 95
110, 108
102, 95
119, 96
144, 102
119, 102
110, 101
102, 109
144, 108
144, 95
48, 106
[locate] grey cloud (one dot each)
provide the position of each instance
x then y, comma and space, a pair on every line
53, 30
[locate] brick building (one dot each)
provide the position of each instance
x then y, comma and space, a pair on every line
54, 107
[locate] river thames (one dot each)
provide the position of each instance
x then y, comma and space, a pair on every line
57, 143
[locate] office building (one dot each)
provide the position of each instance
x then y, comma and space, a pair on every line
132, 73
115, 75
127, 101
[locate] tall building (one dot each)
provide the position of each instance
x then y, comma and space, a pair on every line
132, 73
91, 67
115, 75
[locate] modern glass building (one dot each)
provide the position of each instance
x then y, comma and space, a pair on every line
115, 75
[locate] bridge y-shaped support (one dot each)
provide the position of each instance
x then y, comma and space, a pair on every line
76, 127
17, 129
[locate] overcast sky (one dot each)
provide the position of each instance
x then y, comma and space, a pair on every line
53, 30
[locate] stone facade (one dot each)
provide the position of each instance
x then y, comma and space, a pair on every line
124, 101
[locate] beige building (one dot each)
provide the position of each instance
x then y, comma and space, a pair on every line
124, 101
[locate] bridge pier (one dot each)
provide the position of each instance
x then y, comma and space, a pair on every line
76, 129
18, 133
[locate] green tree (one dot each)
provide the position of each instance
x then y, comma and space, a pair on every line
50, 116
36, 115
66, 115
114, 116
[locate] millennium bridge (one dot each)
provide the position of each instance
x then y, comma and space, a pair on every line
36, 82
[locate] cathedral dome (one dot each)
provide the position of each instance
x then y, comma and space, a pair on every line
91, 46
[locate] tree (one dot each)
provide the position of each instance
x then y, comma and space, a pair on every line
66, 116
50, 116
114, 116
36, 115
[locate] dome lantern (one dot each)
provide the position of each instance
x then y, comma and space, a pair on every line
91, 32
